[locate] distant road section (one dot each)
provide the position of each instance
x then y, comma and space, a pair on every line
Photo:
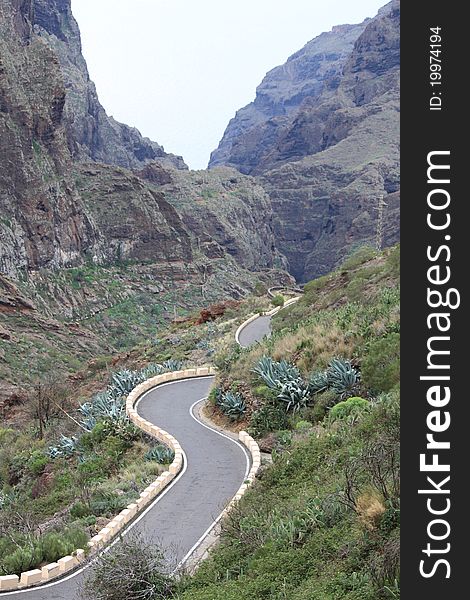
255, 331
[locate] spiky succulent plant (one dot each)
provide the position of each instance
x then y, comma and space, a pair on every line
295, 394
66, 447
276, 374
318, 382
160, 454
232, 404
342, 376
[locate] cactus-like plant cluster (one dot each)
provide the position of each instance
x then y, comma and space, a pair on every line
275, 374
282, 376
295, 394
66, 447
109, 405
342, 376
285, 379
160, 454
231, 404
318, 382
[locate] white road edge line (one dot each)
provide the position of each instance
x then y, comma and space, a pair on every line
142, 515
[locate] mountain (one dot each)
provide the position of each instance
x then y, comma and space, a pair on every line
100, 229
91, 132
322, 136
309, 73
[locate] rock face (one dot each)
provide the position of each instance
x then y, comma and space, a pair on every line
42, 221
60, 205
328, 161
91, 133
313, 71
103, 236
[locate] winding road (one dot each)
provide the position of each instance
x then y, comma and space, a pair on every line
255, 331
181, 516
215, 465
257, 327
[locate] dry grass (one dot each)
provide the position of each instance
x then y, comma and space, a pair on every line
370, 508
313, 346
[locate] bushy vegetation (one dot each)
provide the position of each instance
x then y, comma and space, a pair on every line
92, 474
278, 300
25, 549
322, 393
322, 522
134, 569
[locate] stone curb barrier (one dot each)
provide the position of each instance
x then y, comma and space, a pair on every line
120, 521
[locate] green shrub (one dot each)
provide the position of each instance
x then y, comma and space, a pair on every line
278, 300
55, 545
37, 462
381, 366
107, 503
264, 392
303, 425
22, 559
80, 510
94, 468
215, 395
351, 406
270, 417
319, 410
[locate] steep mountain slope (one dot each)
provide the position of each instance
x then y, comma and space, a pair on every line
95, 243
328, 163
91, 132
312, 72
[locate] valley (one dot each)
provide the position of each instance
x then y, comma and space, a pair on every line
118, 265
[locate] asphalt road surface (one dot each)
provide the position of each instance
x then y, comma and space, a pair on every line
215, 468
255, 331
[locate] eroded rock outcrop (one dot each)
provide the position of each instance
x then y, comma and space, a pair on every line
102, 234
328, 162
91, 133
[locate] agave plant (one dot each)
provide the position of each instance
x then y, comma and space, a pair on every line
342, 376
103, 406
161, 454
151, 370
276, 374
66, 447
232, 404
295, 394
172, 365
124, 381
318, 382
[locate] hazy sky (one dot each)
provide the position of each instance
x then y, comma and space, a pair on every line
179, 69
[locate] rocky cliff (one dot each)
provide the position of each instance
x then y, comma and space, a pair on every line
59, 208
312, 72
91, 133
327, 157
100, 229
